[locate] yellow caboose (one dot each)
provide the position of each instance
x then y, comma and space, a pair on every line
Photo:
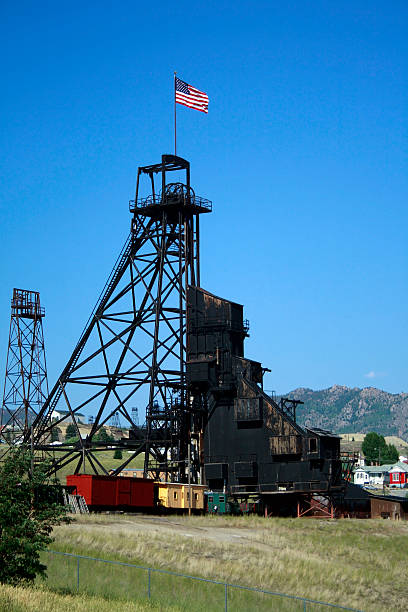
175, 496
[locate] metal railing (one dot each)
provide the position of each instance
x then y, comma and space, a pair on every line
305, 604
158, 200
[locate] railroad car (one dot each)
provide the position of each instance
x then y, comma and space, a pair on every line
217, 502
175, 496
136, 494
114, 492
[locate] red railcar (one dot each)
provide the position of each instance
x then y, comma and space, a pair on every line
113, 492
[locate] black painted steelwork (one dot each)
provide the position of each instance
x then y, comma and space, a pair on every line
132, 350
25, 384
156, 339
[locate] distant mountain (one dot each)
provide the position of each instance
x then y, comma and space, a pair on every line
344, 410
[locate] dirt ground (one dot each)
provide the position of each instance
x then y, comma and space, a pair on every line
159, 525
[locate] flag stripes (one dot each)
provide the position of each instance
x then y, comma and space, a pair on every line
190, 96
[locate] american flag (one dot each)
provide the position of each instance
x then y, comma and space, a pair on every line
190, 96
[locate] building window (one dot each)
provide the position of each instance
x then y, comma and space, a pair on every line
175, 495
196, 496
312, 445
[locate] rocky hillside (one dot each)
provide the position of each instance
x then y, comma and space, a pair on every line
345, 410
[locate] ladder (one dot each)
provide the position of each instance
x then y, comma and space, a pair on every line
83, 506
76, 503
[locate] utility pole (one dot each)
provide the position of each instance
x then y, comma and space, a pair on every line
189, 476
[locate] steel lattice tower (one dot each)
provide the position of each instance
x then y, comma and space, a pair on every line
133, 348
25, 385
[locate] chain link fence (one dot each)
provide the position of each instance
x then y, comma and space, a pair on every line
69, 572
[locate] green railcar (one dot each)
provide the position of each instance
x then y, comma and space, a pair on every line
218, 503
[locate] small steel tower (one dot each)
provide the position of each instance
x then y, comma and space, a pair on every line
25, 385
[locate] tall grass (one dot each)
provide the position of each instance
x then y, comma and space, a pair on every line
361, 564
13, 599
166, 588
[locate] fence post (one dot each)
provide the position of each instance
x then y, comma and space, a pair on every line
77, 573
226, 597
148, 583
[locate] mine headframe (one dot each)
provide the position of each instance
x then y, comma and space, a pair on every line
25, 384
133, 348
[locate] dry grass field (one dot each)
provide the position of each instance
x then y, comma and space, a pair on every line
41, 600
355, 563
353, 442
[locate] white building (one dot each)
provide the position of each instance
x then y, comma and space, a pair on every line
372, 475
66, 415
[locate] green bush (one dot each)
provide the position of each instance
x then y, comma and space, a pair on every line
29, 508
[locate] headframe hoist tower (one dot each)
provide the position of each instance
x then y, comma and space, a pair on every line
25, 385
133, 348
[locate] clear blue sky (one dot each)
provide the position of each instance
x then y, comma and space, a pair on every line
303, 152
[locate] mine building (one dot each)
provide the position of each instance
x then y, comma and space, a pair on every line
252, 443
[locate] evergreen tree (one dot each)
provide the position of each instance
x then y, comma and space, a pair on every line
376, 450
29, 508
55, 434
71, 432
391, 454
103, 436
118, 454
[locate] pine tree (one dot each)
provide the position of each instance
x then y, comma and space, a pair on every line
55, 434
391, 454
71, 432
103, 436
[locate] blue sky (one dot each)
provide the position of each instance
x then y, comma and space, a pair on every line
303, 152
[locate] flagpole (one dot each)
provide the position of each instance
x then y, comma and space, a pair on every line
175, 116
